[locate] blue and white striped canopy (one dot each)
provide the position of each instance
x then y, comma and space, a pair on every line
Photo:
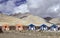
54, 26
43, 25
31, 25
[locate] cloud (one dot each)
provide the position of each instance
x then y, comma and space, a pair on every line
7, 8
19, 2
45, 8
12, 7
3, 1
21, 9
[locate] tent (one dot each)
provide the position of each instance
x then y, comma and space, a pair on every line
5, 27
54, 27
19, 27
31, 27
44, 27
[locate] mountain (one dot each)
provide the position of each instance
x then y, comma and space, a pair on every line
31, 19
9, 19
28, 18
48, 19
55, 21
20, 15
24, 19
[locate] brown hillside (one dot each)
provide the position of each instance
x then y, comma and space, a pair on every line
9, 19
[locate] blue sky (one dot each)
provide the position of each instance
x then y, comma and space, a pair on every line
19, 2
43, 8
3, 1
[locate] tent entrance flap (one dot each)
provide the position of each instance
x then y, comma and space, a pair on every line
5, 27
19, 27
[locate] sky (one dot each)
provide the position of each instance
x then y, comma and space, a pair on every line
42, 8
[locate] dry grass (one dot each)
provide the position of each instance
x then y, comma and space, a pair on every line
30, 34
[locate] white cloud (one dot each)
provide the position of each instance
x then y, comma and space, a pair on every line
45, 8
11, 8
21, 9
35, 3
7, 8
54, 8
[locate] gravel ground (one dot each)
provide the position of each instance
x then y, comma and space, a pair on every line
30, 34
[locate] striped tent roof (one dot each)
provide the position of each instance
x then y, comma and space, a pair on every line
43, 25
54, 26
31, 25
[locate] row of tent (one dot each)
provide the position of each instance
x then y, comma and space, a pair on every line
42, 27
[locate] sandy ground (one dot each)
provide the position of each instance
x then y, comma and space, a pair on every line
30, 34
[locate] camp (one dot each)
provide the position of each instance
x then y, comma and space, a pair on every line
19, 27
43, 27
31, 27
54, 28
5, 27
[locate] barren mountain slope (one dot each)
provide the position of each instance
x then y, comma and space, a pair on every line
55, 21
9, 19
31, 19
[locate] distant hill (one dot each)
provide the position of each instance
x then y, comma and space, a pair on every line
9, 19
19, 15
48, 19
24, 19
55, 21
31, 19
